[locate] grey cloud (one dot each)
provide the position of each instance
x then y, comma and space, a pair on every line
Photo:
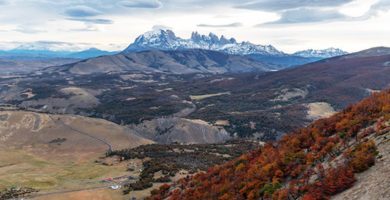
81, 11
161, 27
383, 5
140, 3
282, 5
299, 11
220, 25
93, 21
307, 15
311, 14
28, 29
85, 29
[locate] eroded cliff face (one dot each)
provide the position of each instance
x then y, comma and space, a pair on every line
375, 182
173, 129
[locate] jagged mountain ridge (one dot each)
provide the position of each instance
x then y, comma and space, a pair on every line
167, 40
322, 53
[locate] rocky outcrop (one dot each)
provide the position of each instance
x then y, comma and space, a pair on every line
173, 129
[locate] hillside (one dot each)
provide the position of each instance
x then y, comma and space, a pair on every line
58, 152
194, 100
45, 156
373, 183
22, 128
175, 62
28, 65
291, 98
260, 105
311, 163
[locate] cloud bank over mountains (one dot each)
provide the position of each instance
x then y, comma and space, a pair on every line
124, 19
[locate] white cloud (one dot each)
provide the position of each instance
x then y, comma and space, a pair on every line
81, 11
282, 5
141, 3
28, 29
230, 25
357, 8
308, 15
92, 20
301, 24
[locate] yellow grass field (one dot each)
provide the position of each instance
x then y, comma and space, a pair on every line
56, 154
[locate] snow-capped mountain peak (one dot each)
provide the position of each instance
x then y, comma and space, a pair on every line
165, 39
156, 39
322, 53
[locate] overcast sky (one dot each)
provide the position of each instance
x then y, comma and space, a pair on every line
289, 25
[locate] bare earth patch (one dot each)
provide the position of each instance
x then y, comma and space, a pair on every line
205, 96
222, 123
319, 110
288, 94
95, 194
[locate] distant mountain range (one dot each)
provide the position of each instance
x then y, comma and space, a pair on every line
90, 53
324, 53
167, 40
29, 58
162, 51
29, 53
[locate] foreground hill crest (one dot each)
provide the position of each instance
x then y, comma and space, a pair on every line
312, 163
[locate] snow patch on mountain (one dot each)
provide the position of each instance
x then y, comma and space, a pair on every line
165, 39
323, 53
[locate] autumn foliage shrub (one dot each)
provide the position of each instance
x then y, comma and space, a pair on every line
284, 169
363, 156
337, 180
334, 181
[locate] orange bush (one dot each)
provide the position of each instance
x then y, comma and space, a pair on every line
293, 157
363, 157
